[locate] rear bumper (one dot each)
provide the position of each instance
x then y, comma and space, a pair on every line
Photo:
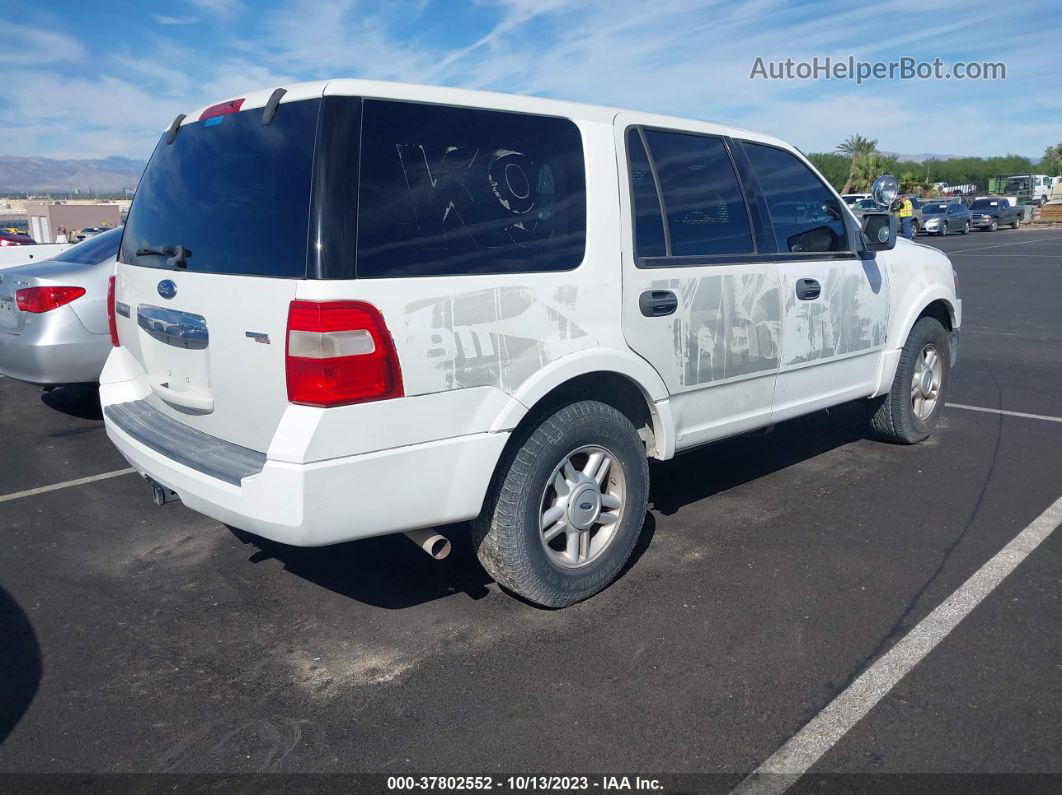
337, 500
55, 350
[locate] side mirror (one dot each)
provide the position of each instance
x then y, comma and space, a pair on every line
879, 231
885, 190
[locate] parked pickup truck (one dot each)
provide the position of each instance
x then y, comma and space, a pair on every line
992, 212
493, 308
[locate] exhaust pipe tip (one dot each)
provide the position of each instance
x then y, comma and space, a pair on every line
434, 543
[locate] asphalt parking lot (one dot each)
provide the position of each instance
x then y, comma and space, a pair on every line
774, 570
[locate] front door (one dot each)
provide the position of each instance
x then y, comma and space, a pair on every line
834, 298
699, 304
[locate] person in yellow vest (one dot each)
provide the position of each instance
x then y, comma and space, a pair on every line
906, 214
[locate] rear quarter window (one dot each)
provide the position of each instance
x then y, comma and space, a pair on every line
449, 190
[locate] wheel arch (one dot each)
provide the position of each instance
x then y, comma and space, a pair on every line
622, 380
935, 303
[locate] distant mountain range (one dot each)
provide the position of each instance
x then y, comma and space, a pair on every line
42, 174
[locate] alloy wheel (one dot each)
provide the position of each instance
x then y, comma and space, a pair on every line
926, 382
582, 506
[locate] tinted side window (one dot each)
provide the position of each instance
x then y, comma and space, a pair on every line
805, 214
648, 222
448, 190
702, 199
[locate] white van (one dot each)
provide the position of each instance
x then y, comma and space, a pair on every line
351, 308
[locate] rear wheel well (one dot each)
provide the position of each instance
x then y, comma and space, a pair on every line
613, 389
939, 311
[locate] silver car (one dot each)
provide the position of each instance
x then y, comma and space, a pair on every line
943, 218
54, 327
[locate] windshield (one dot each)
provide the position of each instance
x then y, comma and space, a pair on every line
865, 204
982, 203
229, 195
95, 249
934, 208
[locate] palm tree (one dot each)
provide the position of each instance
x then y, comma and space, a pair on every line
856, 147
911, 183
865, 169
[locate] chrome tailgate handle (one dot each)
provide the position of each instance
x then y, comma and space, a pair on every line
180, 329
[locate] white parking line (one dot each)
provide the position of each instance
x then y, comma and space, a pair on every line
1007, 413
1000, 245
786, 765
68, 484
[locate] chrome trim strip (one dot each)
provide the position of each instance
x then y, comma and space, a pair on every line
180, 329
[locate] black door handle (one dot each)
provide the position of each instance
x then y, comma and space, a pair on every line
808, 289
657, 303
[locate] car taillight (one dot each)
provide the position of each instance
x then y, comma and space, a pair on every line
112, 319
338, 353
45, 299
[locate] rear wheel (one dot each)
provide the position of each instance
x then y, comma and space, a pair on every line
966, 228
566, 506
1017, 223
911, 409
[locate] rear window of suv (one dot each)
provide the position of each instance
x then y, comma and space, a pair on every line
232, 192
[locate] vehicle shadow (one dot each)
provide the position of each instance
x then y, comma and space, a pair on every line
386, 571
77, 400
715, 468
20, 664
392, 573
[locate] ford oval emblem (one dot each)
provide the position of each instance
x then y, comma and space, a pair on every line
585, 506
167, 289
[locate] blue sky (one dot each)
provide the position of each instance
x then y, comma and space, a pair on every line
104, 78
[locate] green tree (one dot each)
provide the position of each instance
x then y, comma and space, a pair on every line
833, 166
865, 169
855, 147
1051, 163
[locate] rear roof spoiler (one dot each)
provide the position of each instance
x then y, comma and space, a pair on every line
270, 109
172, 132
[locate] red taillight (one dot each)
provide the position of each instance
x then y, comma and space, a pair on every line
45, 299
112, 319
232, 106
340, 352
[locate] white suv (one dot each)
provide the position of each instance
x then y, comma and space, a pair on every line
351, 308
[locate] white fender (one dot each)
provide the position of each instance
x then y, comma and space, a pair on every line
596, 360
891, 355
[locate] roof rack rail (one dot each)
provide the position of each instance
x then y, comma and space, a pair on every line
172, 132
270, 109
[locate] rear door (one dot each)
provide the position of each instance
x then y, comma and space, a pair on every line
834, 296
699, 304
215, 244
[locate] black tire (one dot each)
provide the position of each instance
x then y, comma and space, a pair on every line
507, 535
915, 226
1017, 223
993, 226
892, 416
944, 229
965, 229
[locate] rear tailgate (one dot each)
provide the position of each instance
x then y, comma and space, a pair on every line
214, 353
214, 248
